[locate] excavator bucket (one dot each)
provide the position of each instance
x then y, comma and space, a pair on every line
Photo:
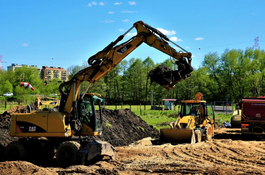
164, 76
177, 135
97, 150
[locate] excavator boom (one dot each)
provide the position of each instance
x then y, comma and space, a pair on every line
102, 62
106, 59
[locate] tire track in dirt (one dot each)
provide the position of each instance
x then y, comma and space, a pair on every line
219, 156
240, 155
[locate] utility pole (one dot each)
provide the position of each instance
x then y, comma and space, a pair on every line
256, 44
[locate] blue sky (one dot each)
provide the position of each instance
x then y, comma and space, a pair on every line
63, 33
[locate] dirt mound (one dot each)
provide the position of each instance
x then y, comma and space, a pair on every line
123, 127
5, 117
21, 167
5, 123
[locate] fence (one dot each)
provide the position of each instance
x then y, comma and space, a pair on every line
223, 106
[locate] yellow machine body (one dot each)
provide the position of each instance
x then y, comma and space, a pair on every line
46, 102
193, 123
44, 124
181, 131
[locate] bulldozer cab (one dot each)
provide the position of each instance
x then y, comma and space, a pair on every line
199, 109
194, 109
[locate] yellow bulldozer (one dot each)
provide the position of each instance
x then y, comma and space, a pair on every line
195, 122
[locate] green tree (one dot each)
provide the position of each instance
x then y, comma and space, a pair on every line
6, 87
148, 65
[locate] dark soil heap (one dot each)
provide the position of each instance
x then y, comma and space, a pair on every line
123, 127
5, 123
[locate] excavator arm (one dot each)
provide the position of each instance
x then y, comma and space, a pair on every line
111, 55
106, 59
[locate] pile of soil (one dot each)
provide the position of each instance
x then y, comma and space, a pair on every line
5, 123
123, 127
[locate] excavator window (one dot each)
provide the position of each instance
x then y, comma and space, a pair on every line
85, 112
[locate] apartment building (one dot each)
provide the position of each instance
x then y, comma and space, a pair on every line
46, 73
16, 66
49, 73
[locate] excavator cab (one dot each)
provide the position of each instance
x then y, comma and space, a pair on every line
90, 119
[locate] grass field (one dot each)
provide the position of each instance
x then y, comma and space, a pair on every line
5, 106
157, 118
161, 119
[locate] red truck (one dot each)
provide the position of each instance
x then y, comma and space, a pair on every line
253, 116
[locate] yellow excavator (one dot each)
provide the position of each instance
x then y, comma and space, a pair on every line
66, 132
195, 122
46, 102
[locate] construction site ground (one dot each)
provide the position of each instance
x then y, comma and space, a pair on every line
138, 153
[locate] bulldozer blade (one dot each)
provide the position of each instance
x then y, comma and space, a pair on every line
177, 135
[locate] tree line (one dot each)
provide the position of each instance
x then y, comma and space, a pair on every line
233, 75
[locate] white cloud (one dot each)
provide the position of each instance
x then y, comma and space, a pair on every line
121, 30
110, 12
95, 3
117, 3
198, 38
127, 11
167, 32
108, 21
25, 44
131, 34
174, 38
125, 20
132, 3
